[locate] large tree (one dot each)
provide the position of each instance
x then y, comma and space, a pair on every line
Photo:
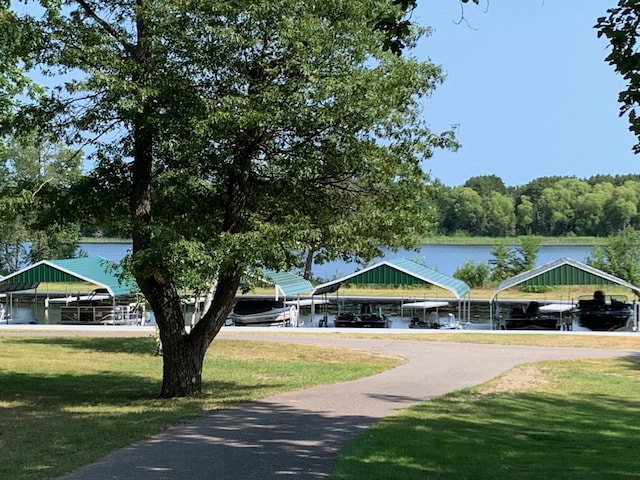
231, 135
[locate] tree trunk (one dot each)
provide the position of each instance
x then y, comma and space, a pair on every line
182, 367
183, 353
308, 265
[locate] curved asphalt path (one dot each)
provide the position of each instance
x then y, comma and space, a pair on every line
299, 433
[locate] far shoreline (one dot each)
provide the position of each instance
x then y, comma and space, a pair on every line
444, 240
484, 241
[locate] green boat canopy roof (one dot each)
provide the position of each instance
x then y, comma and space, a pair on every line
94, 271
90, 273
564, 271
399, 271
287, 283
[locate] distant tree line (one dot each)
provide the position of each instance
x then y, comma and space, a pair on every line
601, 206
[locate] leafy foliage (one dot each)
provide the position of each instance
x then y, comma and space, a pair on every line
621, 27
33, 172
550, 206
474, 274
619, 257
507, 261
486, 184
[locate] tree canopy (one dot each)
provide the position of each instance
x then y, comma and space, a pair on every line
620, 256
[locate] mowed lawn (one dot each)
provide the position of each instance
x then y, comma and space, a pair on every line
569, 420
66, 402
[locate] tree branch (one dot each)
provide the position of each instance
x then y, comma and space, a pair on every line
106, 26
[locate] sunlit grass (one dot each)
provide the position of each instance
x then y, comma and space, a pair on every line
569, 420
556, 339
65, 402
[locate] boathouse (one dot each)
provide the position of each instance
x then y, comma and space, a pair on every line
403, 271
83, 279
68, 277
561, 272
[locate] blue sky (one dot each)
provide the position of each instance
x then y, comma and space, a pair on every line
529, 88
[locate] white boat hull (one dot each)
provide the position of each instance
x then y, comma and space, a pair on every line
277, 316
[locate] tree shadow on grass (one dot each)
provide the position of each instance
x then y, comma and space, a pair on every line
73, 419
133, 345
60, 392
631, 361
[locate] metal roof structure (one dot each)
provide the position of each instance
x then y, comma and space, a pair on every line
287, 283
564, 271
399, 271
60, 275
90, 273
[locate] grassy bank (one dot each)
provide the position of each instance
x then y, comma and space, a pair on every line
58, 395
560, 293
569, 420
104, 240
560, 241
443, 240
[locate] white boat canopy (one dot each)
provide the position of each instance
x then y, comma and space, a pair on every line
426, 305
556, 307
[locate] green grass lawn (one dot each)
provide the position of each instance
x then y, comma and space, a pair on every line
569, 420
551, 420
65, 402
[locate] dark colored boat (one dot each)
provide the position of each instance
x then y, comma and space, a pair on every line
537, 317
361, 316
605, 313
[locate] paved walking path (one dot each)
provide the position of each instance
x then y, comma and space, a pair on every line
299, 433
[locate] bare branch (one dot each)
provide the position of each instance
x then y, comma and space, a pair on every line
42, 185
463, 18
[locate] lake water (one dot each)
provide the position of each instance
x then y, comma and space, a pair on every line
443, 258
